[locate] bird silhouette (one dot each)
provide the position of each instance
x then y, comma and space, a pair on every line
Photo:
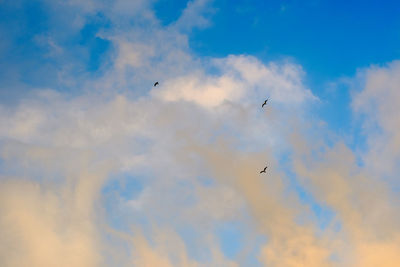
156, 84
265, 102
264, 171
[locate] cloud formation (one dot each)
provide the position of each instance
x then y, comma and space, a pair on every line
195, 145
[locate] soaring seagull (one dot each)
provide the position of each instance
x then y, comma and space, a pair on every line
156, 84
265, 102
263, 171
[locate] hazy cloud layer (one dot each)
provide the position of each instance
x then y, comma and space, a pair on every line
194, 145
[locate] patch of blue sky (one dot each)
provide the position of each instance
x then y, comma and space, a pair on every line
334, 107
329, 38
90, 39
127, 186
231, 238
322, 213
21, 24
342, 123
39, 48
119, 189
23, 21
169, 11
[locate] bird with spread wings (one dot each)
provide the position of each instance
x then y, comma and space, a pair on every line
264, 171
265, 102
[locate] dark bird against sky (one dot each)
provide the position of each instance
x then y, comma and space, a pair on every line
265, 102
264, 171
156, 84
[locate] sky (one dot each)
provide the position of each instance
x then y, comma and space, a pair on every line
98, 167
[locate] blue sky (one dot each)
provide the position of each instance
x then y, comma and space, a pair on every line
329, 39
96, 161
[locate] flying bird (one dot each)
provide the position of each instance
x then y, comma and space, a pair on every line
264, 171
265, 102
155, 84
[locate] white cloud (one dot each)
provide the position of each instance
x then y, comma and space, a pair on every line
203, 120
242, 79
62, 138
194, 15
69, 144
377, 103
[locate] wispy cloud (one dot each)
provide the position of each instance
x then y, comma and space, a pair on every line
196, 144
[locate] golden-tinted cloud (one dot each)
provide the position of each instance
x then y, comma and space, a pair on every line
60, 150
